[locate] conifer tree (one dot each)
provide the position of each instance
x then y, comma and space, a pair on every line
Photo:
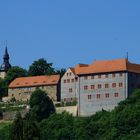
17, 128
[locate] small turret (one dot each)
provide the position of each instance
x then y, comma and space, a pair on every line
6, 65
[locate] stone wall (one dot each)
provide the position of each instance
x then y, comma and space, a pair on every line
10, 115
88, 102
70, 109
24, 93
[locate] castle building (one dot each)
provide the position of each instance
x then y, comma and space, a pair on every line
100, 85
6, 65
22, 88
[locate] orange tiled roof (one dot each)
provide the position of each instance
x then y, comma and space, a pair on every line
133, 67
73, 70
107, 66
35, 81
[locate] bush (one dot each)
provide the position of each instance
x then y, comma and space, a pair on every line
41, 105
1, 114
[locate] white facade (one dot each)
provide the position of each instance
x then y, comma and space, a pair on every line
69, 83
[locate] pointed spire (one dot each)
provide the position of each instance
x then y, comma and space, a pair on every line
6, 65
6, 55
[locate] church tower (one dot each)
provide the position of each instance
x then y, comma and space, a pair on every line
6, 65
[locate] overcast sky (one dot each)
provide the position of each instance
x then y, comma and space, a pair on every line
67, 32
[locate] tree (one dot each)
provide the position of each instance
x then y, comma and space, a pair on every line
15, 72
41, 105
41, 67
31, 128
61, 72
58, 127
1, 114
17, 128
3, 88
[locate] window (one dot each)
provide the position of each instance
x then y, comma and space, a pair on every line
113, 85
70, 90
68, 80
67, 74
92, 77
106, 85
106, 76
99, 76
120, 74
116, 94
72, 80
99, 86
107, 95
85, 87
98, 96
120, 84
85, 77
64, 81
70, 73
92, 86
89, 97
113, 75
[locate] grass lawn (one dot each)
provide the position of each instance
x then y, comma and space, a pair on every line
5, 129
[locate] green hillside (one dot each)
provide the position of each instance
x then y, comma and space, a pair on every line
123, 123
4, 130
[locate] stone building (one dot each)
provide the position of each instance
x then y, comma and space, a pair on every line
6, 65
22, 88
69, 84
101, 85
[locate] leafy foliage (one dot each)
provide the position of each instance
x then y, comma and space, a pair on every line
3, 88
41, 105
24, 129
61, 72
31, 128
57, 127
17, 128
1, 114
41, 67
5, 130
120, 124
123, 123
15, 72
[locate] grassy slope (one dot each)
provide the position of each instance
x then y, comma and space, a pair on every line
4, 130
123, 123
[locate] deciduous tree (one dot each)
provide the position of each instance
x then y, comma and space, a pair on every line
15, 72
41, 67
41, 105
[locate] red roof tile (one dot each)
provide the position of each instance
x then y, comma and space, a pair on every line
35, 81
107, 66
